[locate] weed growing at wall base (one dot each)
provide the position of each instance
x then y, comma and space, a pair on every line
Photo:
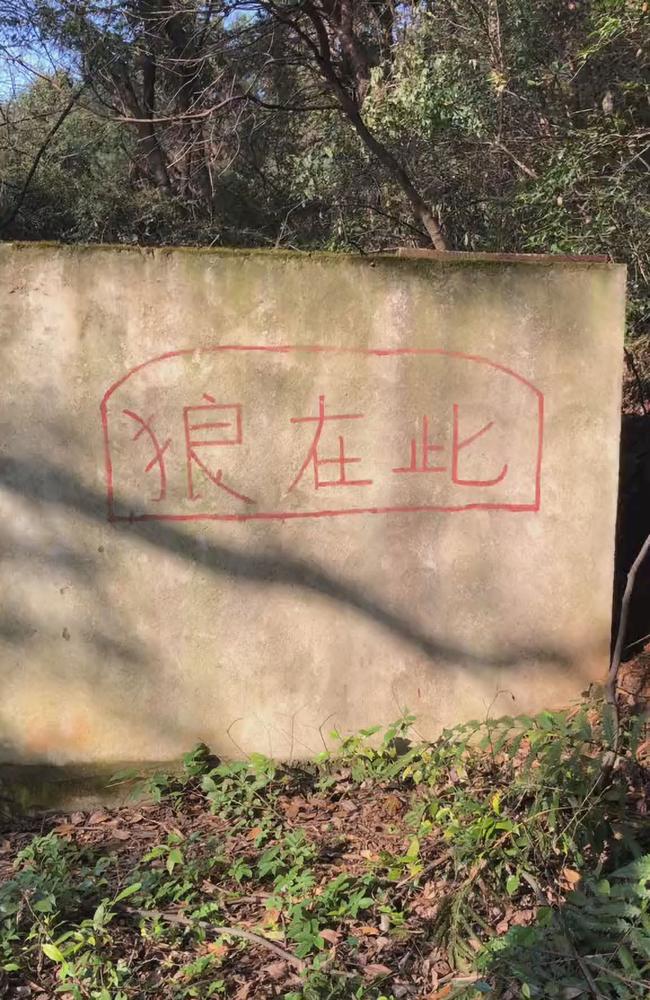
509, 858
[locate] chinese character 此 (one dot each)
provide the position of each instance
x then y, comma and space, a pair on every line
340, 461
427, 448
199, 435
422, 464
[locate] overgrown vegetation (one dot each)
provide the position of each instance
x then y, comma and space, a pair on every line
357, 125
509, 858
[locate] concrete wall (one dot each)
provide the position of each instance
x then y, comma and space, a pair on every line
249, 496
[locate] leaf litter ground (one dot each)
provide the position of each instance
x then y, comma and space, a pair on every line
484, 863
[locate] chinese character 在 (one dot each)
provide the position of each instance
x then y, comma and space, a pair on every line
211, 433
422, 463
340, 461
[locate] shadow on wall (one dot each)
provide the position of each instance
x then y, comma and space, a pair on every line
60, 487
45, 486
632, 528
32, 626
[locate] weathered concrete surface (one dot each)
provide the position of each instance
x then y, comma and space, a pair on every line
179, 564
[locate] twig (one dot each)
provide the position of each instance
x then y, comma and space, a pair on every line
589, 979
482, 863
37, 159
440, 860
631, 363
610, 689
177, 918
584, 968
515, 159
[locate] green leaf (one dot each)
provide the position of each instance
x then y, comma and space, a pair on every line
128, 891
175, 857
413, 849
45, 905
53, 952
627, 961
129, 774
512, 884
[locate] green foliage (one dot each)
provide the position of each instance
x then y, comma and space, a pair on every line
242, 790
509, 815
53, 877
524, 125
365, 759
172, 871
546, 807
606, 923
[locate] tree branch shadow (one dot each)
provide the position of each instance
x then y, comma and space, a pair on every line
49, 484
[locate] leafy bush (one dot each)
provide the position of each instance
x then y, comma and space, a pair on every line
528, 817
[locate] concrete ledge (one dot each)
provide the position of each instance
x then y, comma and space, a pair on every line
459, 256
403, 253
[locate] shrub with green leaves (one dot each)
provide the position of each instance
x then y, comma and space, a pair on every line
534, 817
596, 944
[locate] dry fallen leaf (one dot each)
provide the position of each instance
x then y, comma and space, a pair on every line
294, 807
330, 935
276, 970
218, 950
392, 805
64, 829
440, 994
572, 876
375, 969
121, 834
522, 918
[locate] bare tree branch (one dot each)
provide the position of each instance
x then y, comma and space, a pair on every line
13, 212
612, 677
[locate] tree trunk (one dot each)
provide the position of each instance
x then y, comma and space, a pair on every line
421, 210
351, 108
152, 154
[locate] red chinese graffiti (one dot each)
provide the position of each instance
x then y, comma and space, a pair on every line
459, 443
194, 441
317, 463
219, 459
145, 427
421, 463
